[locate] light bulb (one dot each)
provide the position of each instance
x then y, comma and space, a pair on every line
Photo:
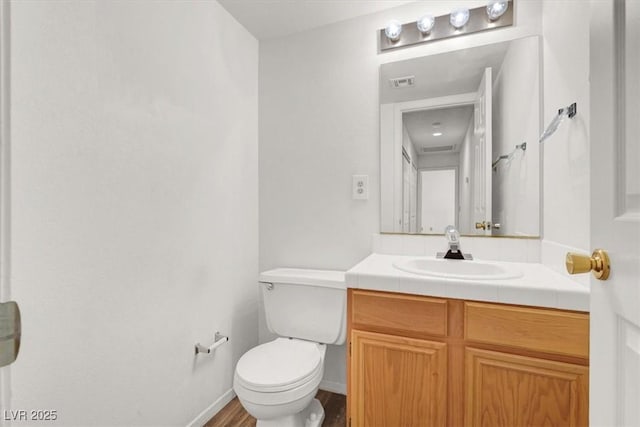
393, 30
426, 23
496, 8
459, 17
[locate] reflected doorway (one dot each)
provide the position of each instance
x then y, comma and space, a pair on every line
438, 188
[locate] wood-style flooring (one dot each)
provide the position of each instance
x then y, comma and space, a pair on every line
234, 415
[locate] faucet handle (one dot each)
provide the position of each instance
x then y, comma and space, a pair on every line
451, 234
453, 238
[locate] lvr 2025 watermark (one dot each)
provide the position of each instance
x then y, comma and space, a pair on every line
30, 415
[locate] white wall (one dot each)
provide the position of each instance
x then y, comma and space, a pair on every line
516, 119
135, 207
566, 170
319, 100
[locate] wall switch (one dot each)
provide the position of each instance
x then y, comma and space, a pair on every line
360, 187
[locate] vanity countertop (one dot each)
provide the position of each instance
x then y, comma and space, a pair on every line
539, 286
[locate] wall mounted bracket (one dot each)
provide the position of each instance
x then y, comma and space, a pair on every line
569, 111
522, 147
218, 340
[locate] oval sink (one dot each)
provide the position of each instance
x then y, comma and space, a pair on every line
458, 269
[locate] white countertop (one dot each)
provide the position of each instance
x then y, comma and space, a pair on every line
539, 286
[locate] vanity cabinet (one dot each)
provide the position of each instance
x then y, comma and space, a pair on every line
422, 361
395, 380
402, 360
505, 389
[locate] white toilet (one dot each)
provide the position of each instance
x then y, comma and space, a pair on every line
276, 382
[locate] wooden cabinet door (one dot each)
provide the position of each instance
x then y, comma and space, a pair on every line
397, 381
510, 390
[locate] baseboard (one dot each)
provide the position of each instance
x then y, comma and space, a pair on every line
334, 387
213, 409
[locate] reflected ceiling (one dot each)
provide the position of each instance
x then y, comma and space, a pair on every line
451, 123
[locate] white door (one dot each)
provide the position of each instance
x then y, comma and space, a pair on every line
615, 212
482, 140
437, 200
413, 201
406, 194
5, 294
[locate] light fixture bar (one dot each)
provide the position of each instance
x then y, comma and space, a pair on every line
442, 29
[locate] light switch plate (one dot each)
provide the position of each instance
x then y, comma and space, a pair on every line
360, 187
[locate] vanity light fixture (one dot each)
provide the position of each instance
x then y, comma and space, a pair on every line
461, 21
393, 30
437, 134
426, 23
459, 17
496, 8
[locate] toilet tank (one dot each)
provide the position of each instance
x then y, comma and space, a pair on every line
305, 304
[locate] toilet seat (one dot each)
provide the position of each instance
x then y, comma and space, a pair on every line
280, 365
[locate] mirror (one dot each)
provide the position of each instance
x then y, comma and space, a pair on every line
459, 141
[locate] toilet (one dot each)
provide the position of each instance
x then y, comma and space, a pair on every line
276, 382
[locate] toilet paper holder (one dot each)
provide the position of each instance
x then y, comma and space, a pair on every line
218, 340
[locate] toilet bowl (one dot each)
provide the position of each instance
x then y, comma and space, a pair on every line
276, 382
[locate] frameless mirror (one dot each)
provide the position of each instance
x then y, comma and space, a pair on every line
459, 141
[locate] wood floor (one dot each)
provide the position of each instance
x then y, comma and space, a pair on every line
234, 415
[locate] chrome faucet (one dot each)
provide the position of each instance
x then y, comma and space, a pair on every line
453, 240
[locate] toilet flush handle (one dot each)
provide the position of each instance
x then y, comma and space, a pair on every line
268, 285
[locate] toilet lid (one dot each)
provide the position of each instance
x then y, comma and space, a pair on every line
278, 365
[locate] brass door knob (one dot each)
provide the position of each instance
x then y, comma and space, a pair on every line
598, 262
481, 225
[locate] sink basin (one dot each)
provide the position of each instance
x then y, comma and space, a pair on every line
458, 269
